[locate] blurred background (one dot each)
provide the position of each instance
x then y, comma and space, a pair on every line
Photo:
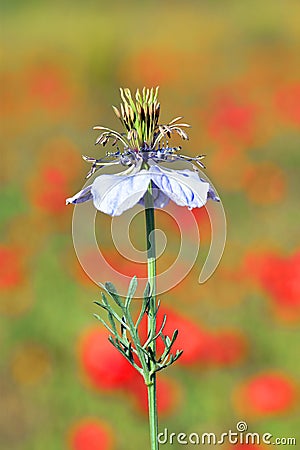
233, 70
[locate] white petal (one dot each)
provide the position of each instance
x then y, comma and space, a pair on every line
82, 196
184, 187
114, 194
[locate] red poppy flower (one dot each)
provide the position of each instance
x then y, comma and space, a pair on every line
90, 434
232, 120
279, 276
267, 393
203, 222
186, 224
49, 190
194, 340
63, 155
103, 366
56, 169
246, 447
124, 265
50, 87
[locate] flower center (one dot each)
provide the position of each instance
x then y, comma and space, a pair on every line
142, 138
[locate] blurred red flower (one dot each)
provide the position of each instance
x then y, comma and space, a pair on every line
90, 434
183, 224
102, 365
231, 120
106, 265
279, 276
50, 191
11, 270
192, 339
267, 393
287, 100
123, 265
199, 345
57, 168
63, 154
49, 86
203, 222
245, 447
106, 369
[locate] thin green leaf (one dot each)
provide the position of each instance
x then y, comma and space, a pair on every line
110, 288
112, 322
103, 323
131, 291
104, 299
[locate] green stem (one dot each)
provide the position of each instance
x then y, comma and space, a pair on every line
151, 260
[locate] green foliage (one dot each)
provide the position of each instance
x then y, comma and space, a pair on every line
125, 336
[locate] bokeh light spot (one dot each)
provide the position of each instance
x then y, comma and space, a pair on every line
30, 363
267, 393
90, 434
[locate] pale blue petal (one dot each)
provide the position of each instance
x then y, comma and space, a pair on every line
159, 198
184, 187
82, 196
211, 193
114, 194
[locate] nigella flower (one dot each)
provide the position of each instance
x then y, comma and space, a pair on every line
140, 156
